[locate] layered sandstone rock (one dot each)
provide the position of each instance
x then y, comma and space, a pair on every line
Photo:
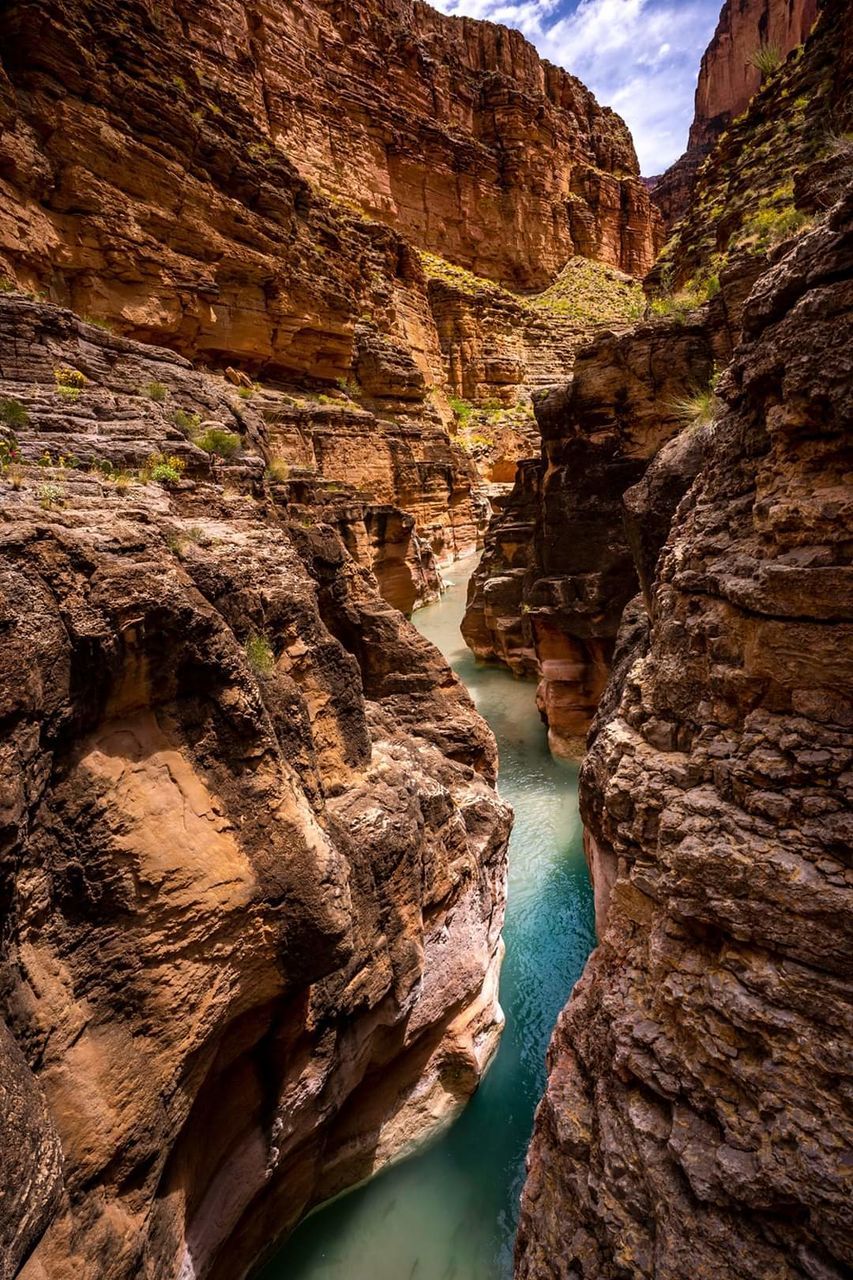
554, 609
499, 348
253, 860
557, 568
728, 79
222, 183
693, 1125
320, 457
455, 132
162, 166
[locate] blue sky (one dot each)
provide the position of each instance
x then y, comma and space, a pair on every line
640, 57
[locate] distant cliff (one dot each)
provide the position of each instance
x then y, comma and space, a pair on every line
728, 78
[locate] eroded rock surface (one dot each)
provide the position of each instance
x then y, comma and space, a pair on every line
695, 1122
251, 188
253, 861
749, 195
557, 568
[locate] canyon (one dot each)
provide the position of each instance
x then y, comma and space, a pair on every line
300, 304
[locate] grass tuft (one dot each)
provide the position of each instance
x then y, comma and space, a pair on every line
697, 409
767, 58
259, 654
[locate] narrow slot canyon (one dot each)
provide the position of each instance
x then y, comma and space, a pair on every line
426, 679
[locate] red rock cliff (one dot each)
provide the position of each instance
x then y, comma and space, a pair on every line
252, 870
728, 79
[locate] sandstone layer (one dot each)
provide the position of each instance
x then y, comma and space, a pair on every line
251, 187
451, 130
557, 570
728, 79
253, 861
695, 1122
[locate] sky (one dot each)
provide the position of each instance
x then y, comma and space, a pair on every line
640, 57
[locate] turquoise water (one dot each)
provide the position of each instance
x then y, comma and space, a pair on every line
450, 1213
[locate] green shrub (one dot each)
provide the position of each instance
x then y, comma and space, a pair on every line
49, 495
163, 469
245, 393
13, 413
278, 470
186, 422
219, 442
770, 227
462, 409
69, 382
9, 451
259, 654
676, 306
64, 376
767, 58
156, 391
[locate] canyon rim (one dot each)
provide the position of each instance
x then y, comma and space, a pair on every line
301, 304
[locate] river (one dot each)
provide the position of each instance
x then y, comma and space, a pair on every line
450, 1212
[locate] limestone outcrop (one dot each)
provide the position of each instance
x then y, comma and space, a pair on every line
693, 1124
253, 861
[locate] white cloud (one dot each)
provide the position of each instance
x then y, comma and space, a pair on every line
640, 57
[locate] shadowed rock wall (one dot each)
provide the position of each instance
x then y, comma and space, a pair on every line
252, 863
694, 1123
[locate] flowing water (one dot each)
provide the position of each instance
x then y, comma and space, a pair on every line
450, 1212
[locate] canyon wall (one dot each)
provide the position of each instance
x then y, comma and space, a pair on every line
748, 196
253, 188
558, 568
549, 592
694, 1123
453, 131
728, 79
253, 861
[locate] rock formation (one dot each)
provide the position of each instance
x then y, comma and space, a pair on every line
253, 860
225, 184
746, 197
550, 604
728, 79
693, 1124
278, 288
557, 569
